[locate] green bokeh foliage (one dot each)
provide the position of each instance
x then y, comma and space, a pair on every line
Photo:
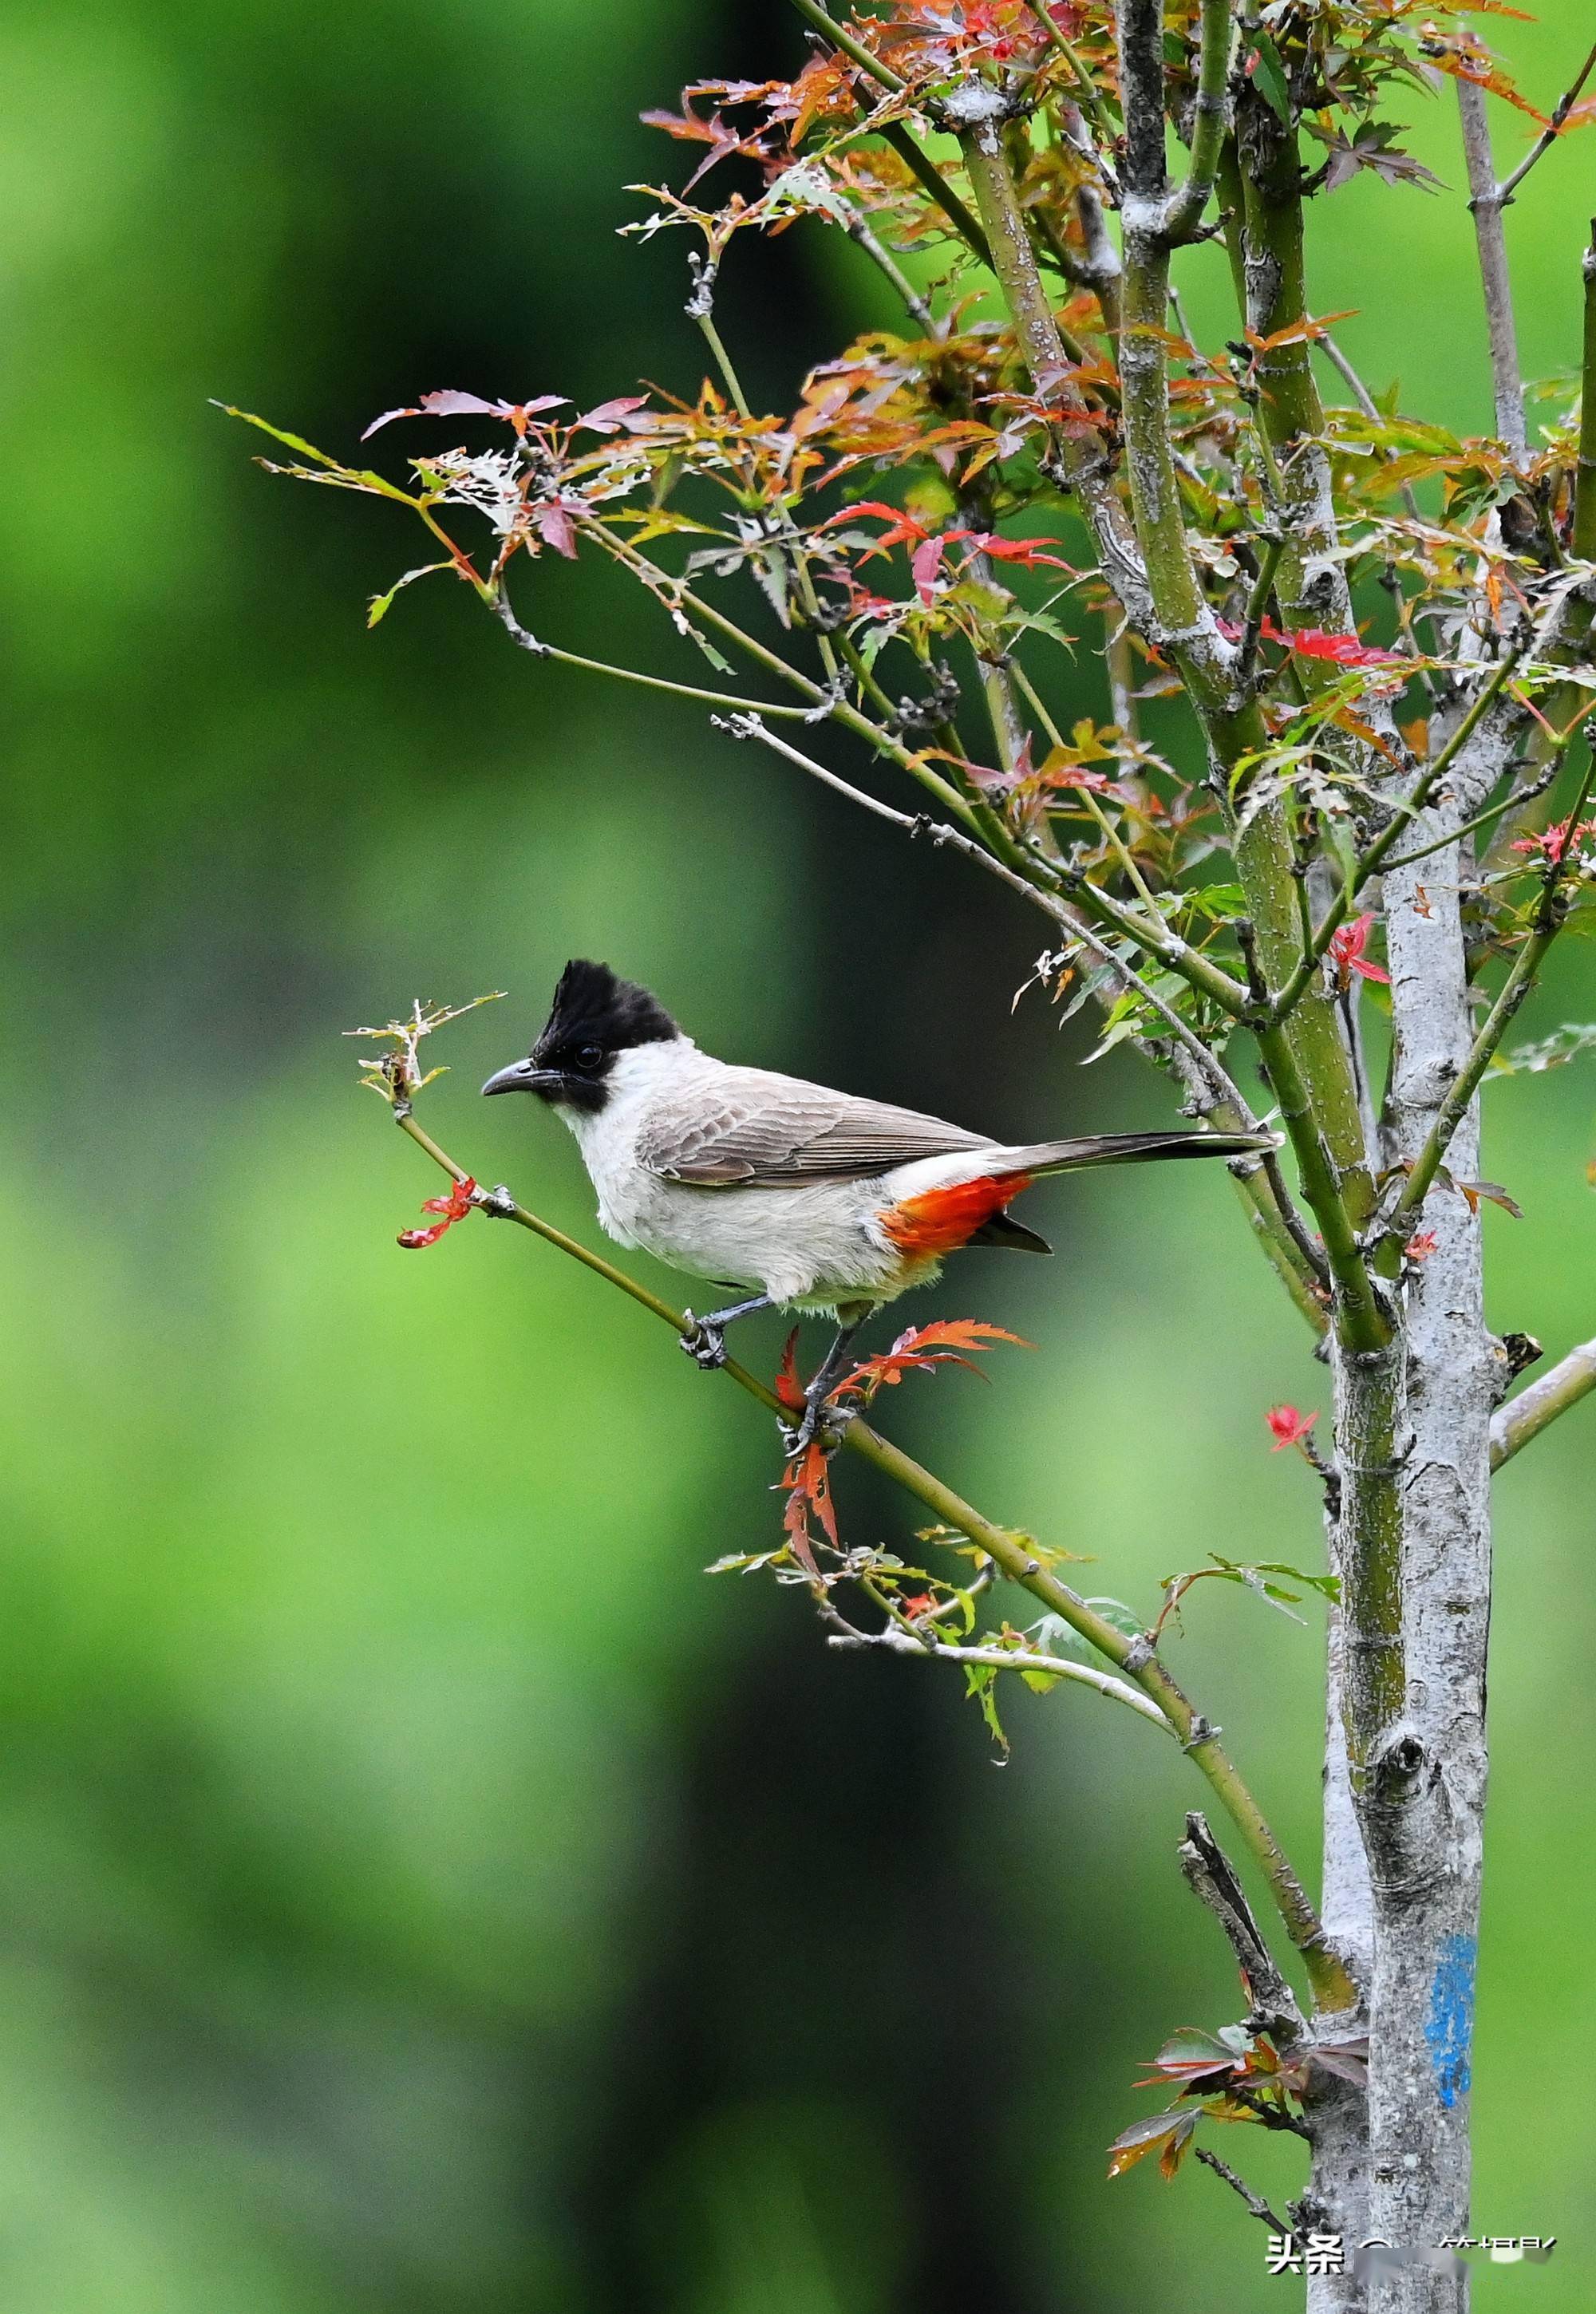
420, 1889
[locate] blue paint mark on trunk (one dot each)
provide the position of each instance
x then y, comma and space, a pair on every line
1449, 2028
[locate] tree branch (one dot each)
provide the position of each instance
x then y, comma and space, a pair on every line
1583, 536
1550, 918
1485, 205
1135, 1658
528, 642
1536, 1408
1212, 1878
1548, 135
1211, 115
1030, 1660
1254, 2202
1403, 815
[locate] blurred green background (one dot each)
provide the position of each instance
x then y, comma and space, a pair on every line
420, 1888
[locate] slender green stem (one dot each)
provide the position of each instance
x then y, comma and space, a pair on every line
1548, 137
1110, 833
1086, 88
1257, 610
702, 314
841, 38
893, 133
541, 649
1488, 818
723, 362
931, 180
1012, 1554
1550, 918
1583, 537
883, 260
1402, 816
1210, 112
1361, 1323
838, 710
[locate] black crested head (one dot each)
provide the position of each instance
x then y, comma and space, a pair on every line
592, 1005
595, 1017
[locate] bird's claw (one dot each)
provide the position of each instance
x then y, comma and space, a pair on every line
822, 1422
704, 1345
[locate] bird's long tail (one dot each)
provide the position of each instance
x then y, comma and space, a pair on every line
1042, 1157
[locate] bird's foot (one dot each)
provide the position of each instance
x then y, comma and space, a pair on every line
822, 1424
704, 1344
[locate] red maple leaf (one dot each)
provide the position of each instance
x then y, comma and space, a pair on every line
1316, 642
806, 1483
1289, 1427
922, 1347
1346, 954
1552, 843
453, 1208
790, 1390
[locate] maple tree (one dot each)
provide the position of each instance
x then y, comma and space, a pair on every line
1379, 634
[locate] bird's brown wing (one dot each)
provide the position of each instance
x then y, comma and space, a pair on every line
751, 1129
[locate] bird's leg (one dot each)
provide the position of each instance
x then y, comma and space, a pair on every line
822, 1382
705, 1338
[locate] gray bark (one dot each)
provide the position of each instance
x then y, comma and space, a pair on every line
1403, 1855
1424, 1815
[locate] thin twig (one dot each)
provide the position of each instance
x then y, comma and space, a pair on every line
1484, 204
1548, 135
898, 1641
1212, 1878
1369, 406
1534, 1410
1254, 2202
541, 649
841, 38
1403, 816
1550, 919
1257, 609
882, 258
1514, 802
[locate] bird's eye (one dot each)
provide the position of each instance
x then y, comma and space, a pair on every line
588, 1056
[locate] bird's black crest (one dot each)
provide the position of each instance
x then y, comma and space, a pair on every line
593, 1006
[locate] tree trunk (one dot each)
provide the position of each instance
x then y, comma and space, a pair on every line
1406, 1753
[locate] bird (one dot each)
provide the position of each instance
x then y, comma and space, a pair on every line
793, 1195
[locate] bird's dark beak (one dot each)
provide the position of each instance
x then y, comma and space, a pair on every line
525, 1077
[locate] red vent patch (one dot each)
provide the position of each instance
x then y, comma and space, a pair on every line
940, 1221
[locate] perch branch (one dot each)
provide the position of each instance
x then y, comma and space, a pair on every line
1135, 1658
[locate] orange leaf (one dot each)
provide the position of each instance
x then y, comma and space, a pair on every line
788, 1389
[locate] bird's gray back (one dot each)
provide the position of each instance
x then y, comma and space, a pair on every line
752, 1128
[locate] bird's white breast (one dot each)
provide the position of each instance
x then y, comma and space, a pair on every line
814, 1245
